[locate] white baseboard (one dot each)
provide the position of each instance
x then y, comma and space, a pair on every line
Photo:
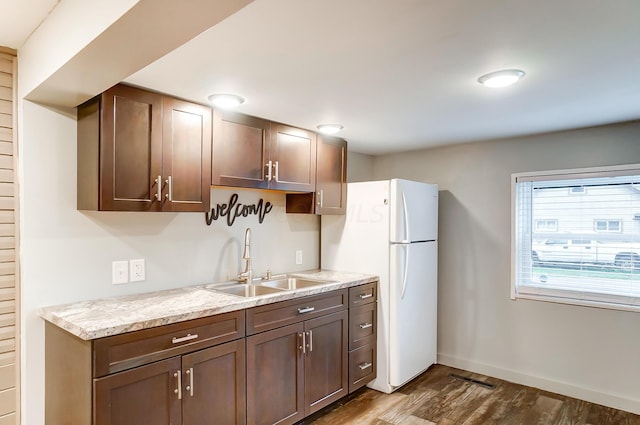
610, 400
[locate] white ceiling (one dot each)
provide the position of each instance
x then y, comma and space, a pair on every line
402, 74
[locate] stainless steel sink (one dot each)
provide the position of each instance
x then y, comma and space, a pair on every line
245, 290
290, 283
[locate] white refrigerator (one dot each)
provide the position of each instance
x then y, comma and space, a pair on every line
390, 229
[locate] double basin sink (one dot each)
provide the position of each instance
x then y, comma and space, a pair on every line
269, 286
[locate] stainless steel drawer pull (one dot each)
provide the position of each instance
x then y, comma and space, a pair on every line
159, 188
365, 296
189, 337
190, 386
306, 310
179, 389
365, 325
364, 366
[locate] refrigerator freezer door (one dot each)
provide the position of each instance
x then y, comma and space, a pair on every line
413, 310
414, 211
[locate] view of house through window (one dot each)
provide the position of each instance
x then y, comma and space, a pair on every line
577, 236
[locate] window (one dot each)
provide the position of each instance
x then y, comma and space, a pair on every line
607, 225
547, 225
577, 249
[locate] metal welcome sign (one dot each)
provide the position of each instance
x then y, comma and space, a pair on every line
233, 209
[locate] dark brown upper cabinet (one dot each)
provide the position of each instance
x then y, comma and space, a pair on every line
143, 151
256, 153
330, 195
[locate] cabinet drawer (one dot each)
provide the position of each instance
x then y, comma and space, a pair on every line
121, 352
362, 366
362, 325
271, 316
363, 294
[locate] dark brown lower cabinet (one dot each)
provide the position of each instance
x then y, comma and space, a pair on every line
138, 396
200, 388
296, 370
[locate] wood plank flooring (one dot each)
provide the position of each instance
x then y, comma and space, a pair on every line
435, 398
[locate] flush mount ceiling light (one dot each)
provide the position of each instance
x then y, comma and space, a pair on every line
226, 100
329, 128
502, 78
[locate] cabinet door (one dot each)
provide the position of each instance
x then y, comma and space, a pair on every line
240, 150
275, 373
213, 382
130, 149
326, 362
186, 156
331, 174
293, 153
144, 395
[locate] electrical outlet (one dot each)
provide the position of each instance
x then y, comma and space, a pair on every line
119, 272
136, 270
299, 257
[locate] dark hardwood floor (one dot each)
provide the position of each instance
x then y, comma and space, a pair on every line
436, 398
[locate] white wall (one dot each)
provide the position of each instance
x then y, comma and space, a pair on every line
66, 254
359, 167
585, 352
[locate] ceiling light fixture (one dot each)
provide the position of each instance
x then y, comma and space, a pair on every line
226, 100
502, 78
329, 128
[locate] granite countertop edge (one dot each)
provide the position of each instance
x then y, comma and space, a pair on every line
104, 317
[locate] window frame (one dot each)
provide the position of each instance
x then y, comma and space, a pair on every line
607, 222
601, 300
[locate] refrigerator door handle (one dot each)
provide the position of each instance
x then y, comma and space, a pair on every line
405, 270
405, 212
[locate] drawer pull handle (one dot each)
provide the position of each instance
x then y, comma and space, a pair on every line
189, 337
364, 366
306, 310
365, 325
178, 390
365, 296
190, 386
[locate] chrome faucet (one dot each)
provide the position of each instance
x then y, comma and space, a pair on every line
247, 275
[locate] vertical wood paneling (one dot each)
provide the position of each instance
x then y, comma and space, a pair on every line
9, 336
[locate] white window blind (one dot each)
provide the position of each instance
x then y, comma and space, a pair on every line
592, 254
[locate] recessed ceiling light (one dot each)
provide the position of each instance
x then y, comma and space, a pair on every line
329, 128
502, 78
226, 100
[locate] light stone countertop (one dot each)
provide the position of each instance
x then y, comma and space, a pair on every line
111, 316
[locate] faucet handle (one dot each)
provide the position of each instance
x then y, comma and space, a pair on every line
267, 275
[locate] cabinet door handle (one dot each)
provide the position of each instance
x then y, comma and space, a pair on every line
364, 366
365, 325
159, 188
169, 194
306, 310
365, 296
304, 342
190, 386
178, 390
310, 341
268, 165
276, 173
189, 337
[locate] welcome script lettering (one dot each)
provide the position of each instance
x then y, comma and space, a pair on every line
233, 210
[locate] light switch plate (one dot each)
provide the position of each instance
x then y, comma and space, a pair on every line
119, 272
299, 256
137, 270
